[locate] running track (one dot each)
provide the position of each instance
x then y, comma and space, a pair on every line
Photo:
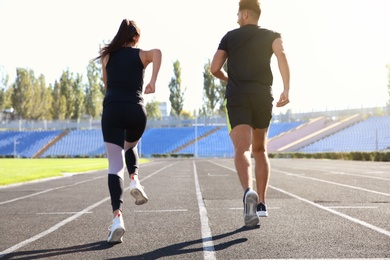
318, 209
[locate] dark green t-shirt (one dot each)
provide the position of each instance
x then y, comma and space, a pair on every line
249, 50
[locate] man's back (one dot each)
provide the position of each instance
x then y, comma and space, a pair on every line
249, 51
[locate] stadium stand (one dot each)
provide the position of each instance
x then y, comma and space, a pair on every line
78, 143
24, 143
309, 132
166, 140
372, 134
278, 128
217, 144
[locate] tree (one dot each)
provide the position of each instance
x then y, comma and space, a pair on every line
23, 93
3, 87
176, 96
210, 94
78, 90
153, 110
66, 90
93, 91
42, 100
213, 91
58, 105
186, 114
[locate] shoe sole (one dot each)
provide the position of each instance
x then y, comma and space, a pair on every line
250, 216
140, 198
262, 214
116, 236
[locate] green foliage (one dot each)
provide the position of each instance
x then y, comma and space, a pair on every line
3, 86
176, 96
78, 90
213, 92
153, 110
29, 96
210, 94
94, 91
42, 98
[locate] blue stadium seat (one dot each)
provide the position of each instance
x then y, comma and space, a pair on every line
78, 143
372, 134
25, 143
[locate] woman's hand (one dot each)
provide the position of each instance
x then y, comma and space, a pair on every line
150, 88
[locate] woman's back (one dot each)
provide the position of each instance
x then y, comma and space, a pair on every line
125, 72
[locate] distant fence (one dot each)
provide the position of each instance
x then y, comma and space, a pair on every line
171, 121
21, 125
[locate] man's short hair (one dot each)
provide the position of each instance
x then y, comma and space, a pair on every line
252, 5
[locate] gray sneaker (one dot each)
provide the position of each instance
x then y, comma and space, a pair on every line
250, 208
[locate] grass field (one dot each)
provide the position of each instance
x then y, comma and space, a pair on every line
22, 170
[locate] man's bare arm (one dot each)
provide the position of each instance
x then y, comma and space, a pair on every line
277, 47
217, 63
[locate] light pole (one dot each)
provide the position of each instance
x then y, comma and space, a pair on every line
15, 143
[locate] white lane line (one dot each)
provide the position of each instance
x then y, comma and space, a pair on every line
352, 207
208, 246
334, 183
317, 259
243, 208
66, 221
60, 213
358, 221
159, 211
57, 188
358, 175
218, 175
48, 190
52, 229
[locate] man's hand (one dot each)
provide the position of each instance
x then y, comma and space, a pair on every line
283, 99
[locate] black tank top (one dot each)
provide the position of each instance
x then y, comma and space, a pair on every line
125, 74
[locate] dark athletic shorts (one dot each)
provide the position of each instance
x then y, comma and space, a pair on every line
249, 109
123, 121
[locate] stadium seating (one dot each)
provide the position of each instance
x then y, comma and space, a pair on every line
24, 143
218, 144
78, 143
166, 140
276, 129
372, 134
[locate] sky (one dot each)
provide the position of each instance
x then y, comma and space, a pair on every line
337, 49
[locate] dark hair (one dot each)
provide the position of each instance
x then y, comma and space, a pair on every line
128, 30
252, 5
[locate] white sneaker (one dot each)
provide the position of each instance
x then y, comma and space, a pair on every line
117, 230
262, 210
137, 191
250, 208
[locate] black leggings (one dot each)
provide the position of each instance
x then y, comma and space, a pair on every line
121, 121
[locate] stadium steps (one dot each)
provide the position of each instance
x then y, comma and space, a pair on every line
51, 143
199, 138
292, 135
309, 137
